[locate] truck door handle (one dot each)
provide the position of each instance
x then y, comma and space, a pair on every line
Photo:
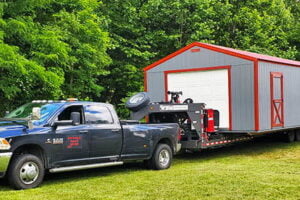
84, 131
115, 130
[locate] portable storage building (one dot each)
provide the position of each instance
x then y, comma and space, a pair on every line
253, 92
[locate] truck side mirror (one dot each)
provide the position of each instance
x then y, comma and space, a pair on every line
62, 123
75, 118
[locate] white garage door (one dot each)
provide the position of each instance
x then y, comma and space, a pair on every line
209, 87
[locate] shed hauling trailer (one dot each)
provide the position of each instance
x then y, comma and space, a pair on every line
255, 94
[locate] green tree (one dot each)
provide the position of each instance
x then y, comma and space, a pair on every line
52, 49
294, 38
129, 51
22, 79
260, 26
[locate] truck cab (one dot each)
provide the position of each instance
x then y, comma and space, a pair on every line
71, 135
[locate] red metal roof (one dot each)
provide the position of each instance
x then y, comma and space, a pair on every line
261, 57
233, 52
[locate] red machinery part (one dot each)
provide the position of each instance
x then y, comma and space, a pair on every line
210, 125
179, 134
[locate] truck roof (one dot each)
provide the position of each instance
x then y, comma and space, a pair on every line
63, 102
87, 103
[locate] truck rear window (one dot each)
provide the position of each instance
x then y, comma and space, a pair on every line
95, 114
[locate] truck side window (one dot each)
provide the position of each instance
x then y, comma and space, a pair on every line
95, 114
66, 114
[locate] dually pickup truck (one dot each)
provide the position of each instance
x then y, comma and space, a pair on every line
65, 136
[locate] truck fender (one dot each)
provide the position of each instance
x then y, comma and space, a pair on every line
31, 148
164, 140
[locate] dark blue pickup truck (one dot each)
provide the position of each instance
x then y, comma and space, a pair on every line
65, 136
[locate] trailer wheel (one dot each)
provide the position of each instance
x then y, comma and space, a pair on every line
26, 171
138, 101
297, 135
161, 158
289, 136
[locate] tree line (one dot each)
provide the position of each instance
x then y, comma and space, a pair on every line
96, 49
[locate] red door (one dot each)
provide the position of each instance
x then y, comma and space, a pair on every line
277, 108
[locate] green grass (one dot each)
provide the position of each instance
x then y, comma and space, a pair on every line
261, 169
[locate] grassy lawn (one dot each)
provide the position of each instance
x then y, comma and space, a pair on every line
260, 169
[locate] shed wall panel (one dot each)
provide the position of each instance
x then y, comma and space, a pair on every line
155, 86
242, 97
241, 81
291, 85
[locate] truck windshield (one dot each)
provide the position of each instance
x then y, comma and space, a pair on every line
25, 111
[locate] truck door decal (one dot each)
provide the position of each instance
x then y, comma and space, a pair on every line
277, 103
74, 142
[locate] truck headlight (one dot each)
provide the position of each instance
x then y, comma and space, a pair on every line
4, 144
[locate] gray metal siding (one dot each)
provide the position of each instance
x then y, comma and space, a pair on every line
156, 86
291, 85
242, 97
204, 58
241, 81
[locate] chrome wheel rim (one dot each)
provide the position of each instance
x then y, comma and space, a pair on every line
29, 172
164, 158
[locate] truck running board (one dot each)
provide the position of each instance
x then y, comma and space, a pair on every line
80, 167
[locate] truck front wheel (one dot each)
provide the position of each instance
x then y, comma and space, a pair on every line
26, 171
161, 158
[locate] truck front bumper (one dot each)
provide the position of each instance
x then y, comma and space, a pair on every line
4, 162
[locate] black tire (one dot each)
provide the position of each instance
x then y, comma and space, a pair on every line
297, 135
163, 152
138, 101
30, 167
289, 136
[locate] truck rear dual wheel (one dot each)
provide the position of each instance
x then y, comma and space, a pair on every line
26, 171
161, 158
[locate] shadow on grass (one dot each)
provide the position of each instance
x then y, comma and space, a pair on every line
254, 147
59, 178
